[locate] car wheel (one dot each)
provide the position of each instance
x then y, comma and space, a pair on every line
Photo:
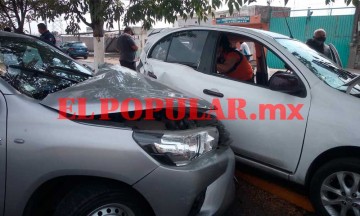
334, 188
102, 200
85, 57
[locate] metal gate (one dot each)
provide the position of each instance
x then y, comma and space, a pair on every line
338, 29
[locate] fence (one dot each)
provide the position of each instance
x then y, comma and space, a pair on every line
303, 23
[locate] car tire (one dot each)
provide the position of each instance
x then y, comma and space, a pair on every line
85, 57
89, 200
335, 187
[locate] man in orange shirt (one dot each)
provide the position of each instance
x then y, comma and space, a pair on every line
232, 63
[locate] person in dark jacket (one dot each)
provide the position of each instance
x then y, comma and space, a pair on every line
318, 43
45, 34
127, 48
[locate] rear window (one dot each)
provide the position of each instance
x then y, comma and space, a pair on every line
78, 45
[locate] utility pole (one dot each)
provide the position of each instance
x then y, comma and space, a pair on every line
119, 27
355, 43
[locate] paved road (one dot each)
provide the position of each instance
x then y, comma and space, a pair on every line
90, 60
252, 201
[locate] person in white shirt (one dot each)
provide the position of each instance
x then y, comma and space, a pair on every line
244, 49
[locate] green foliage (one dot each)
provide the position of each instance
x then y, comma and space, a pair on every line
74, 11
149, 11
347, 2
14, 13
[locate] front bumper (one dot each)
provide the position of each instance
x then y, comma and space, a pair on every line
79, 54
174, 190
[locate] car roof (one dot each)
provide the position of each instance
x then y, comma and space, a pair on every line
73, 42
12, 34
227, 28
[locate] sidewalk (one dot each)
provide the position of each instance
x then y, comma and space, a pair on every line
357, 71
106, 54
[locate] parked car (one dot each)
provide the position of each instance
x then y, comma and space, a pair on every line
53, 164
318, 147
75, 49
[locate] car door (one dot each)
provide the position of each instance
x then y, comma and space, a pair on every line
335, 54
273, 143
3, 116
179, 52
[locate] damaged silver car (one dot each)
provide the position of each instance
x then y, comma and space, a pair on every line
61, 155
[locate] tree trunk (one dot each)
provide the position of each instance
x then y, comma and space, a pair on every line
355, 48
19, 29
99, 45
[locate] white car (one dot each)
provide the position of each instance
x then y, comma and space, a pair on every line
297, 120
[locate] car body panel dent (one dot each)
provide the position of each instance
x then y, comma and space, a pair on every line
121, 84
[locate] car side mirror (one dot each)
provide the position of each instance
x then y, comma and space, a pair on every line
285, 82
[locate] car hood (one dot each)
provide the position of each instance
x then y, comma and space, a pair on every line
118, 83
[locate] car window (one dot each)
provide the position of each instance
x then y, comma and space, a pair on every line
261, 63
161, 48
186, 47
78, 45
274, 63
36, 68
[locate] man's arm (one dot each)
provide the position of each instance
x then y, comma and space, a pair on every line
133, 44
228, 64
134, 47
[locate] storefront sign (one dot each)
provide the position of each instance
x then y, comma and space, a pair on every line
229, 20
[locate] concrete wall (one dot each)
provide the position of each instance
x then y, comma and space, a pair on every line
110, 40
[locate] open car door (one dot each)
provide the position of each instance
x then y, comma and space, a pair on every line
335, 55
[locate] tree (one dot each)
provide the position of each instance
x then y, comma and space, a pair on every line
14, 13
354, 55
149, 11
146, 12
101, 12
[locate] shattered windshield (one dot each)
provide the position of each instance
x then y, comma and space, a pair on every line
35, 68
326, 70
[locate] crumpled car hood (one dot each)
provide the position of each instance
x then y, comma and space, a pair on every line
119, 83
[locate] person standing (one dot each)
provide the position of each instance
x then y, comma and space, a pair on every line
244, 49
127, 48
318, 43
232, 63
45, 34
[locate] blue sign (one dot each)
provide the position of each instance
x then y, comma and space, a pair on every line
229, 20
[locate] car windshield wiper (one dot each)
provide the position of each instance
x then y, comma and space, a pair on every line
352, 81
72, 71
341, 72
351, 84
54, 76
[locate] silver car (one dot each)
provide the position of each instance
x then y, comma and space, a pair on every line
64, 159
296, 119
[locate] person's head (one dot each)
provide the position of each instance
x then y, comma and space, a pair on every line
8, 29
224, 44
320, 35
42, 28
128, 30
238, 45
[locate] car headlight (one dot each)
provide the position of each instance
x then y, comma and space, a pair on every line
178, 147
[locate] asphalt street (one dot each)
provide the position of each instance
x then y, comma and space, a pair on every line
253, 201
